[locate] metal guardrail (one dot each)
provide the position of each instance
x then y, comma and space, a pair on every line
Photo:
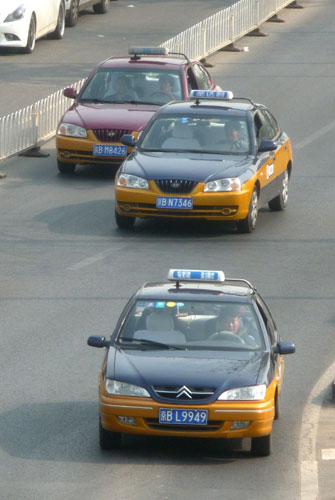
32, 126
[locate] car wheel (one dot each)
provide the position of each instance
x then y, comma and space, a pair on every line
109, 440
101, 7
31, 39
66, 168
73, 14
261, 446
280, 201
60, 28
124, 221
248, 224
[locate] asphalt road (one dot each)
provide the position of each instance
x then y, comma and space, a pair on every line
54, 64
67, 271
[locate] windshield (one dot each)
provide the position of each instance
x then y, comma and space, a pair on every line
206, 134
114, 85
192, 325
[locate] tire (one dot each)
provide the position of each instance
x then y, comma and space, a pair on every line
66, 168
261, 446
123, 221
72, 16
280, 201
109, 440
60, 28
31, 40
248, 224
101, 7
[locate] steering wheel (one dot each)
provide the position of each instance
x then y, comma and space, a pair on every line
160, 92
231, 337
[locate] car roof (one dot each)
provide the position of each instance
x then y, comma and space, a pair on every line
209, 106
230, 291
144, 62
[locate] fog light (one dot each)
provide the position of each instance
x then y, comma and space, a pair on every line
65, 154
10, 37
226, 211
240, 424
127, 420
126, 208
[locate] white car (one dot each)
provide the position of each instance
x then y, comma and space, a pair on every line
73, 7
22, 22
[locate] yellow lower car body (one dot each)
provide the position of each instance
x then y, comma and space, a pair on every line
232, 205
224, 417
80, 151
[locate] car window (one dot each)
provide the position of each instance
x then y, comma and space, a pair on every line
193, 324
204, 134
152, 87
202, 76
268, 321
266, 129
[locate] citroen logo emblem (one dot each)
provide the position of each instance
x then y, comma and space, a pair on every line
175, 184
184, 391
111, 135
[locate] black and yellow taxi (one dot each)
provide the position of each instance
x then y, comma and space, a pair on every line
214, 157
196, 356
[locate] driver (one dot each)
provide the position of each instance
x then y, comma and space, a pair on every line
166, 87
232, 321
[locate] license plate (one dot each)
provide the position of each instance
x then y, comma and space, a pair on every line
174, 202
183, 416
109, 150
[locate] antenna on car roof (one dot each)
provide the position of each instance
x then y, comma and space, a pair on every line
180, 54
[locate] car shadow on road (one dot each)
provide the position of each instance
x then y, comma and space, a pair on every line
68, 432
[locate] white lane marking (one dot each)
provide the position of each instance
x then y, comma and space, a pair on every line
328, 454
308, 434
314, 137
92, 260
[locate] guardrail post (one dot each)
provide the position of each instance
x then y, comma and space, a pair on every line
35, 149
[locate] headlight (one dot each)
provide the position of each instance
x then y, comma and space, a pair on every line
71, 130
132, 181
233, 184
16, 14
124, 389
252, 393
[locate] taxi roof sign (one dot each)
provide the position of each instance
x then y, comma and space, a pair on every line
211, 94
148, 51
196, 275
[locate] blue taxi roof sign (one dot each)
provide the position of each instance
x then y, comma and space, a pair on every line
211, 94
196, 275
148, 51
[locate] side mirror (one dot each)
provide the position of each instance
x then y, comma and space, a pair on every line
128, 140
96, 341
267, 146
284, 348
70, 93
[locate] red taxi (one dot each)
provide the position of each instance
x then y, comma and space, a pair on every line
119, 97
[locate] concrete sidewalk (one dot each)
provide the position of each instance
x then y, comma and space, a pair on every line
325, 451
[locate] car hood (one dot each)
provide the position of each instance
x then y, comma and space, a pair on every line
220, 370
191, 166
117, 116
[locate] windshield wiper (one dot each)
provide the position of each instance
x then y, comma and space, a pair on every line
151, 342
95, 100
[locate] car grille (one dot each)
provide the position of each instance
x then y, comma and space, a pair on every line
211, 426
110, 134
183, 393
176, 186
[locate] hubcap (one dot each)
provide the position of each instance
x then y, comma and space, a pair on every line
253, 209
284, 191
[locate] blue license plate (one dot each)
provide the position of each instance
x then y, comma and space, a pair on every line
174, 202
109, 150
183, 416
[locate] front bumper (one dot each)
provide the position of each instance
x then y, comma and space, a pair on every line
258, 417
211, 206
14, 34
80, 151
